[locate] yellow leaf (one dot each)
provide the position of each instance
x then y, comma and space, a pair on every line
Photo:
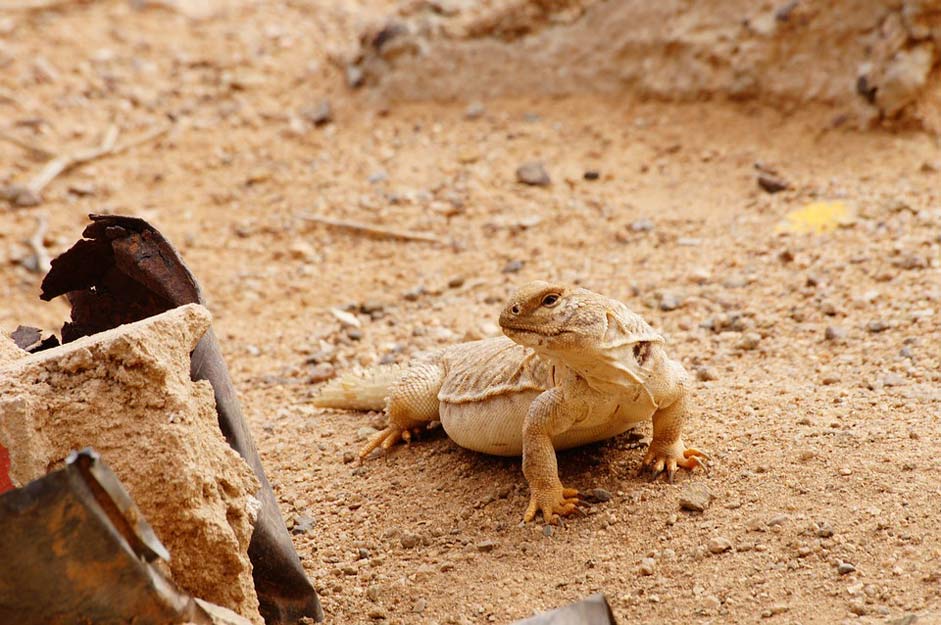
816, 218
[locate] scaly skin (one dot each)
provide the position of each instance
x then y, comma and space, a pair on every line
578, 367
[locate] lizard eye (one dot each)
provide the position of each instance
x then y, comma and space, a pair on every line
550, 300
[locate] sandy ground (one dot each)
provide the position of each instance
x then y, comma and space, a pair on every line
824, 449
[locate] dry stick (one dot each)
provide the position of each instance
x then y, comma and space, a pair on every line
373, 230
38, 150
66, 162
35, 242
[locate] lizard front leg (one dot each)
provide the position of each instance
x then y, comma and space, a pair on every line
411, 406
549, 415
667, 451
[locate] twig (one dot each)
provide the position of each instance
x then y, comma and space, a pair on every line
35, 242
378, 231
31, 194
38, 150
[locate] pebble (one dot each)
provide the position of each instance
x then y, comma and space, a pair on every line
548, 531
877, 326
348, 457
669, 301
533, 173
857, 607
695, 498
302, 524
513, 266
706, 374
475, 110
771, 184
755, 525
711, 602
648, 566
321, 372
600, 495
749, 341
377, 614
824, 530
778, 519
591, 174
374, 592
365, 432
893, 379
845, 568
318, 114
641, 225
410, 540
486, 546
719, 544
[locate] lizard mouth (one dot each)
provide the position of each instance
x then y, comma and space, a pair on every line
532, 332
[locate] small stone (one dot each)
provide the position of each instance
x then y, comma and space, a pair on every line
668, 302
641, 225
824, 530
834, 333
413, 294
830, 379
877, 325
410, 540
486, 546
648, 566
711, 602
548, 531
302, 524
718, 544
846, 471
348, 457
456, 282
706, 374
374, 592
695, 498
354, 76
755, 525
806, 455
365, 432
513, 266
377, 614
475, 110
533, 173
749, 341
420, 606
771, 184
319, 114
600, 495
857, 607
778, 519
845, 568
591, 174
893, 379
321, 372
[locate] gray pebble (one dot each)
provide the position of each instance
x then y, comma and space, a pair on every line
365, 432
319, 114
475, 110
302, 524
641, 225
600, 495
719, 544
668, 302
533, 173
410, 540
749, 341
877, 325
695, 498
706, 374
648, 566
513, 266
845, 568
321, 372
486, 546
834, 333
778, 519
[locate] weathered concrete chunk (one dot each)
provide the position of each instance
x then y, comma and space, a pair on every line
127, 392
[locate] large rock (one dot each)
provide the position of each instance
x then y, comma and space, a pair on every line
127, 392
870, 56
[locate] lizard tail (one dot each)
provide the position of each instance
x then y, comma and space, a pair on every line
361, 390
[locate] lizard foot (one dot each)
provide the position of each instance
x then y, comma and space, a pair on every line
389, 437
659, 460
551, 502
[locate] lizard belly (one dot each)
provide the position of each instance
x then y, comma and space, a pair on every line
605, 422
493, 425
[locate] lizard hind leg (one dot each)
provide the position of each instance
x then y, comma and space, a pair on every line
412, 404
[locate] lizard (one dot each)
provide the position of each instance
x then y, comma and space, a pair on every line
573, 367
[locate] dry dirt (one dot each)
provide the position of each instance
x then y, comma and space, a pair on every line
824, 450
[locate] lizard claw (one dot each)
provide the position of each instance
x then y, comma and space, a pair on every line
659, 461
389, 437
552, 502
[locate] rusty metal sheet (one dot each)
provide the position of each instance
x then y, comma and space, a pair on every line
76, 549
124, 270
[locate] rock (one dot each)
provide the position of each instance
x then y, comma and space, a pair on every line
771, 184
668, 302
749, 341
548, 531
348, 457
648, 566
319, 114
365, 433
755, 525
857, 607
893, 379
409, 540
475, 110
824, 530
641, 225
877, 325
377, 614
591, 174
778, 519
845, 568
486, 546
718, 544
695, 498
533, 173
599, 494
321, 372
834, 333
127, 390
706, 374
513, 266
302, 524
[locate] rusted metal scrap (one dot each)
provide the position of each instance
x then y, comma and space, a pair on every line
593, 610
124, 270
76, 549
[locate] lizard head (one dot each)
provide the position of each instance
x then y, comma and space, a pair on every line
554, 318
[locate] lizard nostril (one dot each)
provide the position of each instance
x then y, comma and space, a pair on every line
515, 309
